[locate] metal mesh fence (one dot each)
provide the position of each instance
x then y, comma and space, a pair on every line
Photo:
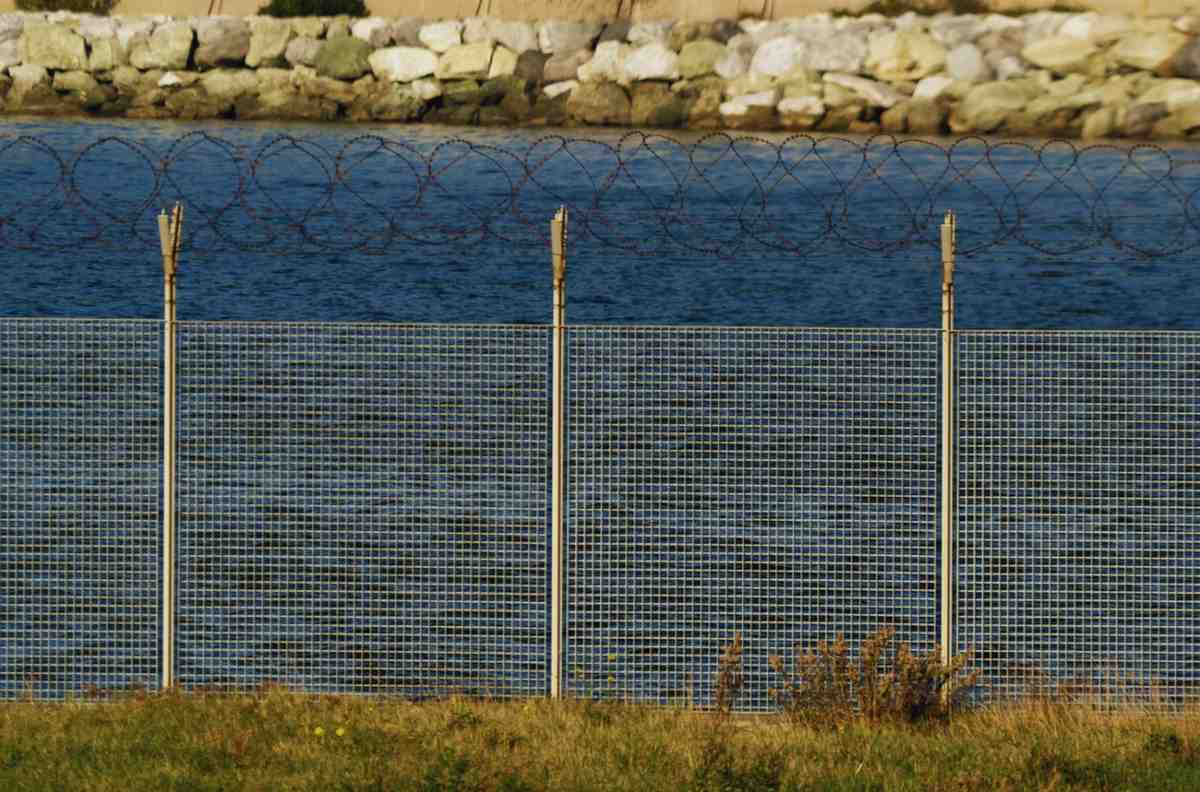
1078, 555
80, 472
780, 482
363, 508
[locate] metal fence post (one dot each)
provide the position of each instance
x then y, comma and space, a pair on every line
169, 234
558, 260
948, 429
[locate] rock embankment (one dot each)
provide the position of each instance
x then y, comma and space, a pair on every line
1047, 73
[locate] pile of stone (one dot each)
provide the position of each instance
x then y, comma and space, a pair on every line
1047, 73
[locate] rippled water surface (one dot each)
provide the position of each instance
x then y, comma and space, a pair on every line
404, 223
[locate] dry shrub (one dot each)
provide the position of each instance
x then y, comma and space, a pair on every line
730, 678
826, 689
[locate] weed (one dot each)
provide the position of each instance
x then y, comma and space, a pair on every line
447, 774
825, 689
721, 771
730, 678
461, 717
1163, 740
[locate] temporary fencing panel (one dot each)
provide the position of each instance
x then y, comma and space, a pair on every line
777, 482
80, 470
363, 507
1078, 537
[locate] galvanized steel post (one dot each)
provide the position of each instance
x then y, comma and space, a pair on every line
558, 259
169, 234
948, 429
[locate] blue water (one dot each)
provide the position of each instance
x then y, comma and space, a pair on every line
431, 224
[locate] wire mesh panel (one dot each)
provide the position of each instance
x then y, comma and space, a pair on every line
80, 473
1078, 549
780, 482
363, 507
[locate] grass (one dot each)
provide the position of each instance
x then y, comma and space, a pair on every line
276, 740
882, 721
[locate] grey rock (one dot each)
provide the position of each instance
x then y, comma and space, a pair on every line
75, 81
312, 27
90, 27
800, 113
531, 65
169, 47
654, 106
1141, 118
840, 52
29, 80
649, 32
1007, 67
563, 66
606, 64
743, 45
406, 32
926, 118
441, 36
1187, 60
466, 61
556, 37
1001, 42
302, 51
1061, 55
11, 26
555, 90
105, 55
10, 53
268, 42
893, 57
698, 58
376, 31
53, 47
723, 30
965, 62
504, 62
1148, 51
615, 31
1042, 25
338, 27
1189, 24
776, 56
129, 28
985, 106
222, 42
931, 87
600, 103
877, 94
397, 104
343, 58
652, 61
517, 36
952, 31
229, 83
731, 67
685, 32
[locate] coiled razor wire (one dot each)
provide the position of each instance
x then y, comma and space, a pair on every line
718, 196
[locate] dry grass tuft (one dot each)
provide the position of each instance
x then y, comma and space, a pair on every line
826, 689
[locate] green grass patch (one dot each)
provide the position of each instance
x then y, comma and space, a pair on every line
279, 740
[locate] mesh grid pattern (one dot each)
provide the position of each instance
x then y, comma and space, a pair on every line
780, 482
80, 473
363, 508
1078, 555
